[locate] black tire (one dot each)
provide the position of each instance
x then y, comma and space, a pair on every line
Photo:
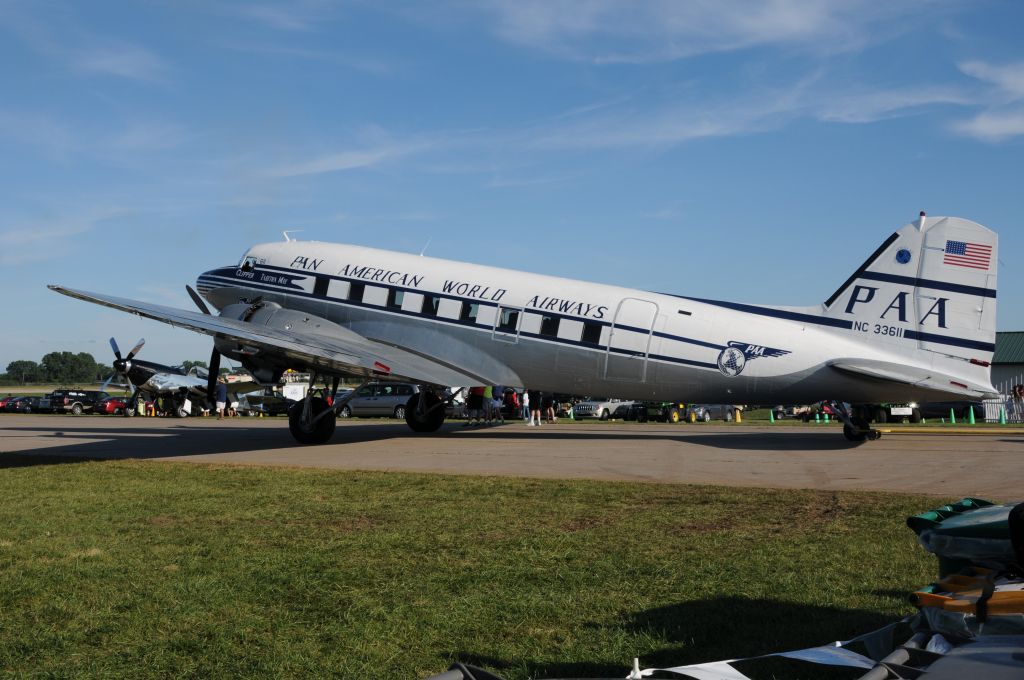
605, 415
76, 409
854, 434
400, 411
434, 418
317, 433
707, 417
729, 416
128, 412
28, 409
881, 416
181, 412
346, 412
915, 415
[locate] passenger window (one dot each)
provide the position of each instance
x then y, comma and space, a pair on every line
355, 292
387, 391
549, 326
509, 320
591, 332
395, 298
404, 390
430, 304
469, 311
365, 392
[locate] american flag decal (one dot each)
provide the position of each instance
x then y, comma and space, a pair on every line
963, 254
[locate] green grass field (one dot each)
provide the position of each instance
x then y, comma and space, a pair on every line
128, 569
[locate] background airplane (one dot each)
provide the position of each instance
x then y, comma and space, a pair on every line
916, 322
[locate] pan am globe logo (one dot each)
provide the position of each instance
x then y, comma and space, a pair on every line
733, 359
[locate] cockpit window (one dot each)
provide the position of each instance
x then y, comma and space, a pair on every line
248, 263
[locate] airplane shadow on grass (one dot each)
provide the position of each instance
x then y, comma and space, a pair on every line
718, 629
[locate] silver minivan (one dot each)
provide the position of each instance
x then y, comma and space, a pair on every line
379, 399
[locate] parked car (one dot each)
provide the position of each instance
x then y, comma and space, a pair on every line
269, 403
114, 406
708, 412
6, 400
379, 399
75, 402
21, 405
599, 407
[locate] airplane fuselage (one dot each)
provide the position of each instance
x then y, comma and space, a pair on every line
554, 334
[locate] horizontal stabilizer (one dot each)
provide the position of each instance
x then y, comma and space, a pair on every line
914, 375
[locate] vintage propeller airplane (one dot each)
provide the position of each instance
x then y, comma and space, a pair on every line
152, 380
915, 322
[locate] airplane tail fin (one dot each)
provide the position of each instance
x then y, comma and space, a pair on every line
930, 286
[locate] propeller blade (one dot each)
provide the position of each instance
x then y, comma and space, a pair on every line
211, 379
103, 387
113, 346
198, 300
135, 350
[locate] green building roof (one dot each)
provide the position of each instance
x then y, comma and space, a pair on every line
1009, 348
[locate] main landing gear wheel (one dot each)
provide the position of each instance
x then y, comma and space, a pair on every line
424, 418
859, 431
311, 431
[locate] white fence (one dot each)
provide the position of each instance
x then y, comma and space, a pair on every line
994, 407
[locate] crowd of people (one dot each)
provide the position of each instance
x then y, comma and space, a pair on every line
488, 404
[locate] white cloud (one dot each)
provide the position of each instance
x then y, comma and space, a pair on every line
868, 106
606, 31
122, 60
1009, 78
46, 240
992, 126
343, 160
1004, 117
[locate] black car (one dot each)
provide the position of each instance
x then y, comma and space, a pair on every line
22, 405
75, 402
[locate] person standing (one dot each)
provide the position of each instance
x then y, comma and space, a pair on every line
498, 397
526, 405
1015, 405
222, 397
536, 397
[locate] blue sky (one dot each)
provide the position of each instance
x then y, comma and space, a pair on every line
751, 151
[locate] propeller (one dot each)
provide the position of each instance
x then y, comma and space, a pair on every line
214, 370
196, 299
122, 365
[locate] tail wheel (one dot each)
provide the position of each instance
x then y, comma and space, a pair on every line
855, 434
431, 420
311, 431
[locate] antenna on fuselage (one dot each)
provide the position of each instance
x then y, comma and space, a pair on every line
422, 252
291, 231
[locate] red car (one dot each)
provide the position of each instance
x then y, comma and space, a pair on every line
3, 402
112, 405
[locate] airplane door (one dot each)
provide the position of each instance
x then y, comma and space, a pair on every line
629, 340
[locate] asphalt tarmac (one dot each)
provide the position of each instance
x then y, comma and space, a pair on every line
986, 463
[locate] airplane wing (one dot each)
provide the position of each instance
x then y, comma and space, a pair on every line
912, 375
343, 351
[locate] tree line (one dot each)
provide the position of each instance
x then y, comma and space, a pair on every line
65, 368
